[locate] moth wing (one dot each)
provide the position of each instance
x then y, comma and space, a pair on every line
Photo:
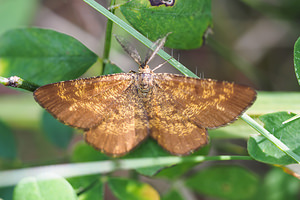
205, 102
181, 108
177, 134
82, 103
124, 126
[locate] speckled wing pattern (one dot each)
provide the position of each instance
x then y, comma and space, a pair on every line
124, 126
182, 108
176, 112
106, 107
82, 103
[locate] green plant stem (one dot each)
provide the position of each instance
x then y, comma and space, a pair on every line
271, 137
139, 37
89, 187
18, 82
12, 177
291, 119
108, 35
3, 80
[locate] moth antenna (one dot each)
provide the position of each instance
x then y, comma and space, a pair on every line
132, 52
158, 44
160, 65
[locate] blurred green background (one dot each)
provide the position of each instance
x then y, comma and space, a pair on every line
251, 43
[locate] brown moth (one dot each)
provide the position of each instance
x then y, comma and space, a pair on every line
119, 111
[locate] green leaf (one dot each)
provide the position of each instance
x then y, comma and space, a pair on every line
172, 195
59, 134
279, 185
80, 183
96, 192
111, 69
151, 149
297, 59
176, 171
263, 150
148, 149
139, 36
228, 182
186, 21
16, 13
6, 193
125, 189
8, 149
43, 56
85, 153
48, 187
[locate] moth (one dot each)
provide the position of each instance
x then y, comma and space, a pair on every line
119, 111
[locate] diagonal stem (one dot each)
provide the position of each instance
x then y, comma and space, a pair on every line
139, 37
271, 137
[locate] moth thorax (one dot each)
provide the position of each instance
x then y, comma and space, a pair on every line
145, 69
144, 83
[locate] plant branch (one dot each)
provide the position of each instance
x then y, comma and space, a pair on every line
271, 137
108, 35
139, 37
12, 177
17, 82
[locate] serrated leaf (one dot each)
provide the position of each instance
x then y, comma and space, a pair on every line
43, 56
48, 187
125, 189
228, 182
187, 21
263, 150
8, 149
59, 134
297, 59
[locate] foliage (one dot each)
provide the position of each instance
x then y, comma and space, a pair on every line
44, 56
